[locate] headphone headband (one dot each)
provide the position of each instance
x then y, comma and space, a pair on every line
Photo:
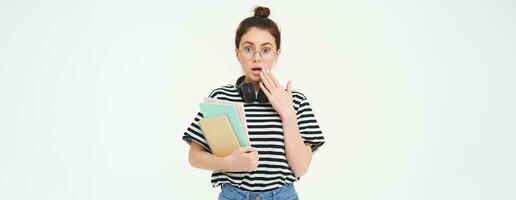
239, 81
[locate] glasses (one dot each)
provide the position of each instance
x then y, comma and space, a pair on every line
266, 53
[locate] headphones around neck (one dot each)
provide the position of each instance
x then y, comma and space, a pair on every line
247, 92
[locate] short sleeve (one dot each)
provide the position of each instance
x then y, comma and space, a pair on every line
194, 133
308, 126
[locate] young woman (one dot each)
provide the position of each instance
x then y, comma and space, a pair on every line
282, 128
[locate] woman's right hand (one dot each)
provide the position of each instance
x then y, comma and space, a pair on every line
242, 159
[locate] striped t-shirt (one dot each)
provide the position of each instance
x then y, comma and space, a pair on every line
266, 136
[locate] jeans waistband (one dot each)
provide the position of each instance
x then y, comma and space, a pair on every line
242, 190
286, 191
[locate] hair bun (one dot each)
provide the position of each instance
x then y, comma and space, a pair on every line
262, 12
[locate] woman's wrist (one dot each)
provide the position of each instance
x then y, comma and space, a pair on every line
291, 113
224, 163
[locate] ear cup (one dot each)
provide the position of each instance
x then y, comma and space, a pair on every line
247, 92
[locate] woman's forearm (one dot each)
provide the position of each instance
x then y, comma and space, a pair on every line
200, 158
299, 154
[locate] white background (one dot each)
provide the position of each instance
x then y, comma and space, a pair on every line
415, 98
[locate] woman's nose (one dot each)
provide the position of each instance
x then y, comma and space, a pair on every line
257, 57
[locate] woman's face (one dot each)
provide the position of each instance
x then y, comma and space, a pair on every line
257, 51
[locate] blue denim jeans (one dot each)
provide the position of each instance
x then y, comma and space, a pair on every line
230, 192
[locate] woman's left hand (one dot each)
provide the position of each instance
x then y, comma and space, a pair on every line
280, 99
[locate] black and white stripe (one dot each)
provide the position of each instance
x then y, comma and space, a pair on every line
266, 135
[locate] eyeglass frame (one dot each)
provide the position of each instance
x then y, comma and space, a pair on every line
261, 56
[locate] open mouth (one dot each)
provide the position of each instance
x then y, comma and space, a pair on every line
256, 71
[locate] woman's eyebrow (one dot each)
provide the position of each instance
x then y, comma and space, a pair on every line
249, 43
267, 43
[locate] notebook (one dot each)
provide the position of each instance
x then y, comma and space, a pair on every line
240, 109
219, 135
210, 110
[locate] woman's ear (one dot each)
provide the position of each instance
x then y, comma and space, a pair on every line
278, 52
238, 57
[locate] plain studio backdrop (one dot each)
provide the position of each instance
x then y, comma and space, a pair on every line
416, 99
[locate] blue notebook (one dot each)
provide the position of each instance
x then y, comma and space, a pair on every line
209, 110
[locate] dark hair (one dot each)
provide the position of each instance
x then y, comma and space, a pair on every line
259, 20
